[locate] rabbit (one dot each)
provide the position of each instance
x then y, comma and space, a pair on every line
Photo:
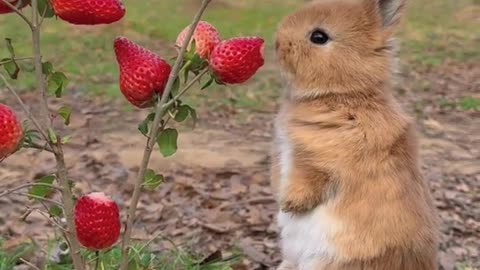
345, 170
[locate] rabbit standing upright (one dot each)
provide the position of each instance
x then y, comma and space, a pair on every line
345, 168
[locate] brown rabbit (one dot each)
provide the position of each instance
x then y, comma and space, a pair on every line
345, 164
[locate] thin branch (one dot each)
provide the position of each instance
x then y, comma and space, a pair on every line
59, 204
25, 108
16, 10
29, 264
12, 190
54, 222
160, 112
33, 145
185, 89
15, 59
62, 174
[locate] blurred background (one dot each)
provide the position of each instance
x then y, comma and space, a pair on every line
216, 195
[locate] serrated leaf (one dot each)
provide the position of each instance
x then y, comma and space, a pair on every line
45, 9
10, 47
12, 69
52, 136
47, 68
57, 82
167, 141
209, 83
182, 113
42, 190
143, 126
55, 211
65, 112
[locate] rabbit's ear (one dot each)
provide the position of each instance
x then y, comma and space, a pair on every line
391, 11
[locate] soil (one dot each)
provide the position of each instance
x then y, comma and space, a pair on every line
216, 194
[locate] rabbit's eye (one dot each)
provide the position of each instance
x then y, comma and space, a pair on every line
319, 37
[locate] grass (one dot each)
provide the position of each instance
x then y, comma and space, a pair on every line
434, 31
140, 259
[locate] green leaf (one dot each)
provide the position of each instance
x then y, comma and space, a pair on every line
193, 114
47, 68
45, 9
66, 139
182, 113
55, 211
42, 190
167, 141
143, 126
10, 47
176, 86
12, 69
57, 82
209, 83
52, 136
145, 260
65, 112
152, 180
470, 103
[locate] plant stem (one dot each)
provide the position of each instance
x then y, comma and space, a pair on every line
12, 190
185, 89
15, 59
62, 175
25, 108
38, 198
160, 112
16, 10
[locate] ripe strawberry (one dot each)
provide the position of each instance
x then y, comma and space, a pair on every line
89, 12
206, 37
11, 132
97, 221
6, 9
237, 60
142, 72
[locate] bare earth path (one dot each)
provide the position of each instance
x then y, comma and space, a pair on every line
216, 194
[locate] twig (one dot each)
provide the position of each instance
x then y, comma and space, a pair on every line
29, 264
185, 89
12, 190
160, 112
59, 204
25, 108
33, 145
53, 221
16, 10
62, 175
15, 59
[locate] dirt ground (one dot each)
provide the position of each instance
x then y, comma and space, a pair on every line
217, 195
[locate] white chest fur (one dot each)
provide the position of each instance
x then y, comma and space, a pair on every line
306, 239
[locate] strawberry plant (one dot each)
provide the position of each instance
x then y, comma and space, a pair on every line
91, 223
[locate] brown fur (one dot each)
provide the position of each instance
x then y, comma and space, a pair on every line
353, 147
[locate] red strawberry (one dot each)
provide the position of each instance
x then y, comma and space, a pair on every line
89, 11
206, 37
11, 132
237, 60
6, 9
142, 72
97, 221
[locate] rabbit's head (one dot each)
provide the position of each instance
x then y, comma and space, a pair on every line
338, 46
